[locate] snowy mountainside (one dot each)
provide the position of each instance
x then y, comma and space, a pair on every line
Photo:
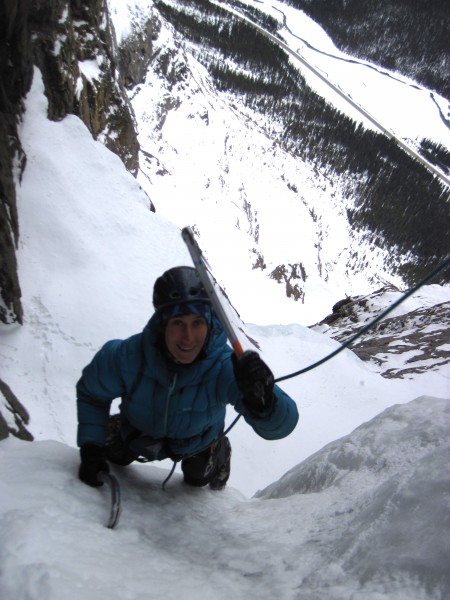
363, 173
385, 201
253, 204
237, 197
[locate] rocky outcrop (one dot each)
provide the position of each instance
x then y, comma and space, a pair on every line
136, 52
16, 415
292, 276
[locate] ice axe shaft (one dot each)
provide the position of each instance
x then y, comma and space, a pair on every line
205, 278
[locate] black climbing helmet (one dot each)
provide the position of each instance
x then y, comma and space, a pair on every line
179, 285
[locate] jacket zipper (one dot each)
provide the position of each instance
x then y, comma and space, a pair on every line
169, 395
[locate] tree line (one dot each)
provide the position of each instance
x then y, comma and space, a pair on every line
407, 36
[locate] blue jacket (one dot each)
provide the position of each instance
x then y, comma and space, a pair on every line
184, 405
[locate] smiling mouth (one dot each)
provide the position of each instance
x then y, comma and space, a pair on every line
185, 349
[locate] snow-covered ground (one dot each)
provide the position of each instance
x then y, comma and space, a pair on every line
366, 518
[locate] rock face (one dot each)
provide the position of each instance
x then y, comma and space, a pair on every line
15, 81
73, 44
136, 52
291, 276
17, 415
74, 47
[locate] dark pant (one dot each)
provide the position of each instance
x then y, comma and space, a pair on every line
209, 466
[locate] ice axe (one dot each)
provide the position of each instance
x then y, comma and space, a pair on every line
207, 280
115, 508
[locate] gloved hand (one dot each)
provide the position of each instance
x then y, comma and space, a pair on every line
255, 381
92, 463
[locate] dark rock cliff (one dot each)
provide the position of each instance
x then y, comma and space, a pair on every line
15, 80
74, 47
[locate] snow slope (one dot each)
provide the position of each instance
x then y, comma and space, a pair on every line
367, 518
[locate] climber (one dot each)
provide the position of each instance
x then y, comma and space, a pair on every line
175, 379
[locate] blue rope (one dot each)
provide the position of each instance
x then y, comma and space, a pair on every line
166, 480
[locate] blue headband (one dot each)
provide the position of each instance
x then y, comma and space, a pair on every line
187, 308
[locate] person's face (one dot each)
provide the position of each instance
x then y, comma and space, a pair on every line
185, 336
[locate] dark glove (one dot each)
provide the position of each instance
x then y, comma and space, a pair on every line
255, 381
92, 463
